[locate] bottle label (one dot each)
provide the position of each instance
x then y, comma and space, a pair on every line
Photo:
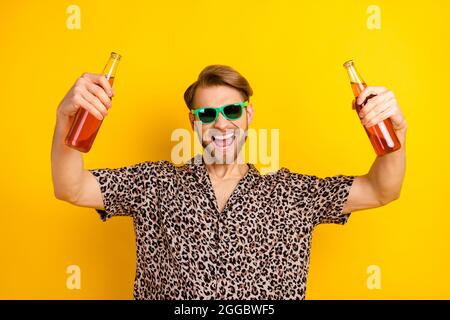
386, 134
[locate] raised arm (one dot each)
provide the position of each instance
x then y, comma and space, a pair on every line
383, 183
71, 182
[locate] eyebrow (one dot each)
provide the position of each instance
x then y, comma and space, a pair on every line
226, 104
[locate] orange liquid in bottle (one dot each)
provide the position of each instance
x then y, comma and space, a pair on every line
84, 129
382, 135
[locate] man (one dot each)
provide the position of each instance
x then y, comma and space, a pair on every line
218, 229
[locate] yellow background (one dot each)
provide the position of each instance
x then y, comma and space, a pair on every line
292, 54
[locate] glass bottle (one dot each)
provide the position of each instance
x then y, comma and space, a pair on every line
85, 126
382, 135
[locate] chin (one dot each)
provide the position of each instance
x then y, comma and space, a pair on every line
225, 158
220, 156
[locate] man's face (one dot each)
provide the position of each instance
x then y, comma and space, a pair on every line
222, 139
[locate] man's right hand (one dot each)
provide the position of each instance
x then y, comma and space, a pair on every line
91, 92
71, 182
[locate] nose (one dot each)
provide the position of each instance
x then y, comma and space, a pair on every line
221, 123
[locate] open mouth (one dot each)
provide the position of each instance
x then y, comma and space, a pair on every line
223, 141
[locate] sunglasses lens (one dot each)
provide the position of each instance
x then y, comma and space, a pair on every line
207, 115
233, 112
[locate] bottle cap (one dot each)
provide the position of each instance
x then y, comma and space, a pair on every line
115, 55
348, 63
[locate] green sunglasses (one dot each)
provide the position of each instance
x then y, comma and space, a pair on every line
231, 111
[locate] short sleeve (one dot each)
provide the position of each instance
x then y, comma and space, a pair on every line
329, 197
123, 189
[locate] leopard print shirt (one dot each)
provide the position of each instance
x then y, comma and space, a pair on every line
257, 248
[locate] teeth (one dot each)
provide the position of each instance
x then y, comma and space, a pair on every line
224, 144
224, 137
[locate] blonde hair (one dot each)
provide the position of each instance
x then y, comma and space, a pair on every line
216, 75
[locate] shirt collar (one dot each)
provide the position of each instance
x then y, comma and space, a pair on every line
197, 166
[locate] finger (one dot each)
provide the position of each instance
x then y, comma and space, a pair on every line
379, 109
100, 93
83, 103
374, 112
100, 80
93, 100
354, 104
369, 91
374, 102
387, 113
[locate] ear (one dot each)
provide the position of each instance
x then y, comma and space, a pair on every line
191, 119
250, 112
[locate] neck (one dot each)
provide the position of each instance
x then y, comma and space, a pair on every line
225, 171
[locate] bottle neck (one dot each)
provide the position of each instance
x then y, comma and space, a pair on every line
356, 81
354, 76
110, 69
